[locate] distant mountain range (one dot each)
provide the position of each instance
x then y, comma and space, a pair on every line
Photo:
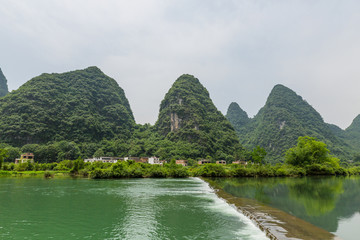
88, 106
284, 118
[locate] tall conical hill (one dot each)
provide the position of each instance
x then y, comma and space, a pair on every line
284, 118
3, 85
236, 116
188, 114
81, 106
355, 125
353, 133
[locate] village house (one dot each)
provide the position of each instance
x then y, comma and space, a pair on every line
242, 162
136, 159
221, 162
150, 160
103, 159
182, 162
26, 157
155, 160
203, 161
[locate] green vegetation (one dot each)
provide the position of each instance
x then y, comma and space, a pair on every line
310, 151
3, 85
131, 169
236, 116
189, 118
284, 118
80, 106
84, 113
3, 154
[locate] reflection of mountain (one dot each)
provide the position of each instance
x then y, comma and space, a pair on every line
322, 201
318, 196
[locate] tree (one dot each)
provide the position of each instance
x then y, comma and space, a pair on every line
258, 154
310, 151
78, 164
3, 154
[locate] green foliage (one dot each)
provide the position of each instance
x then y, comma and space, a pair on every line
236, 116
210, 170
190, 124
78, 164
80, 106
284, 118
3, 154
258, 155
309, 151
3, 85
48, 174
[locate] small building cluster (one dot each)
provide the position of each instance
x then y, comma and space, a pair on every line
150, 160
29, 157
24, 158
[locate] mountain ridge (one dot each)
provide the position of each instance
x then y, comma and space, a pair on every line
81, 105
284, 117
3, 84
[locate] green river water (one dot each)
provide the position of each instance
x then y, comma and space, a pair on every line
36, 208
331, 203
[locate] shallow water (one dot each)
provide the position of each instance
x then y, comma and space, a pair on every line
35, 208
331, 203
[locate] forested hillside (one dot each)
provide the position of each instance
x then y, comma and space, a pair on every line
187, 114
3, 84
284, 118
237, 117
80, 106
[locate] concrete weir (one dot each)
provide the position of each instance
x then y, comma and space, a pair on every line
277, 224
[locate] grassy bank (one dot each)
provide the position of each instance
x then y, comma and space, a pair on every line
131, 169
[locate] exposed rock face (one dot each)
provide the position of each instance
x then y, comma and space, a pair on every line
188, 114
175, 121
3, 85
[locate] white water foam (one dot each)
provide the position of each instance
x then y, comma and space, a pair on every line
249, 231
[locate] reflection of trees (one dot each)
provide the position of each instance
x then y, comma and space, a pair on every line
323, 201
317, 195
260, 189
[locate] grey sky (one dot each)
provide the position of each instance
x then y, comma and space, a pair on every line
238, 49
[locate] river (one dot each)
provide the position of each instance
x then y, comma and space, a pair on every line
37, 208
329, 203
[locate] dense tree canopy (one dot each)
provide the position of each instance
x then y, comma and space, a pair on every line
3, 84
189, 118
284, 118
81, 106
310, 151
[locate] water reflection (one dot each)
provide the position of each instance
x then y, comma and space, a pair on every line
318, 195
322, 201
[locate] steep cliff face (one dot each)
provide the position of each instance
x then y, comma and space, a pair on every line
3, 85
284, 118
188, 114
81, 106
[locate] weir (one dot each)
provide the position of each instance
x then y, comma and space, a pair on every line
277, 224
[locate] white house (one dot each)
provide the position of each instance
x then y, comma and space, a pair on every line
103, 159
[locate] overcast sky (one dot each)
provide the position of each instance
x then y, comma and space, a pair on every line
238, 49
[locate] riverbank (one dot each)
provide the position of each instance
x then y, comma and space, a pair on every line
131, 169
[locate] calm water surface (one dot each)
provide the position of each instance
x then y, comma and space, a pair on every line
332, 203
34, 208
